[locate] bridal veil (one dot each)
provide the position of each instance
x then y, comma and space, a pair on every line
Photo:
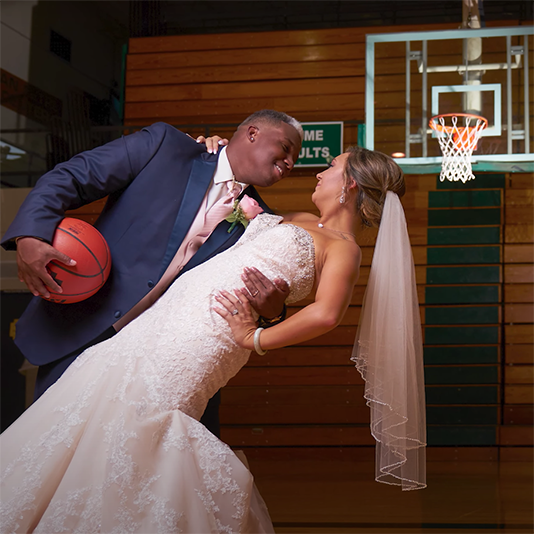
388, 353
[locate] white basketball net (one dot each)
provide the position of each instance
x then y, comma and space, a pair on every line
457, 144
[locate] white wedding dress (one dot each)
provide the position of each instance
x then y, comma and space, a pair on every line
115, 445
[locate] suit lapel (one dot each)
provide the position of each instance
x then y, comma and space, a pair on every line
197, 185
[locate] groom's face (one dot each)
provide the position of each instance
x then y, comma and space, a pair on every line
269, 153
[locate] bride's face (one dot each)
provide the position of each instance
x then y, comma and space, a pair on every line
330, 182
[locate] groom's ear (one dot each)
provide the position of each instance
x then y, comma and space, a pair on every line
252, 133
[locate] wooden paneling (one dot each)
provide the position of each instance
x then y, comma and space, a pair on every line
303, 356
521, 394
516, 454
247, 56
289, 376
519, 293
519, 233
293, 415
519, 374
521, 181
519, 253
233, 90
516, 435
188, 109
294, 436
519, 354
227, 41
251, 73
295, 396
518, 415
519, 333
519, 274
519, 313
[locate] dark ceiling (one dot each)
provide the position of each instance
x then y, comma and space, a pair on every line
136, 18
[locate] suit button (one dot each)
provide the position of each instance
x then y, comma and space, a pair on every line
150, 284
117, 314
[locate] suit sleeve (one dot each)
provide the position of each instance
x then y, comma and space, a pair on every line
86, 177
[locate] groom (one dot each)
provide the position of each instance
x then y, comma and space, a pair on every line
164, 192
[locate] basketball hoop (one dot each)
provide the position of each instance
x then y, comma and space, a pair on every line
457, 143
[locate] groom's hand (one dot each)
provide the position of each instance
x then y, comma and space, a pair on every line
266, 297
33, 255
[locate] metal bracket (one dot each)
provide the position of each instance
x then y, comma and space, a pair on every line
415, 138
518, 135
460, 69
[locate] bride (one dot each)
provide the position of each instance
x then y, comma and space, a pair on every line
115, 445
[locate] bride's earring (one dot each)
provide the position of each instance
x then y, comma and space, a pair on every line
343, 198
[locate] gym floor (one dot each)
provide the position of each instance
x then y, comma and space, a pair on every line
340, 496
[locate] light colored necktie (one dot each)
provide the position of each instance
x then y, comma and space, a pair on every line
192, 242
217, 213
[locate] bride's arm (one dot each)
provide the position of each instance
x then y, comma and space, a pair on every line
334, 292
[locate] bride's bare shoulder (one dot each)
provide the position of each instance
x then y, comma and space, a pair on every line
344, 250
300, 216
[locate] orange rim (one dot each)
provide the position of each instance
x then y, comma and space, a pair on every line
435, 125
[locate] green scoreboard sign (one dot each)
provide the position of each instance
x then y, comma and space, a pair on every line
323, 141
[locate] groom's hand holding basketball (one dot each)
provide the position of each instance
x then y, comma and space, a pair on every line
33, 255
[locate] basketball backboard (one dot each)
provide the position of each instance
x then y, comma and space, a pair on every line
413, 76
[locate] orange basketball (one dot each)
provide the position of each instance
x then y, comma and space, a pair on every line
85, 244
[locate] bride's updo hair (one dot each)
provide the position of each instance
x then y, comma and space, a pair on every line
375, 174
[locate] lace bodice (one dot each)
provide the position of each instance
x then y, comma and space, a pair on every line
181, 347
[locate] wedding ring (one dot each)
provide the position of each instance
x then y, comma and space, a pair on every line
255, 294
235, 312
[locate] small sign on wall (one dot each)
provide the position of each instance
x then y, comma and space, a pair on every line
323, 141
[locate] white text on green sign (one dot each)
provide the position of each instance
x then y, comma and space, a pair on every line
323, 141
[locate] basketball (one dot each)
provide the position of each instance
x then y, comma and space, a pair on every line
86, 245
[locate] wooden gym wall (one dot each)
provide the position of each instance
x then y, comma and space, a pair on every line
473, 249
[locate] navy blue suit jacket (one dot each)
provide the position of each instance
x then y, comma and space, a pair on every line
156, 180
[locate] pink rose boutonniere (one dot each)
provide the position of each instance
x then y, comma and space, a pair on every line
244, 211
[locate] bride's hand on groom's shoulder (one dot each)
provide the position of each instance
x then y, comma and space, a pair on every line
236, 310
212, 143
